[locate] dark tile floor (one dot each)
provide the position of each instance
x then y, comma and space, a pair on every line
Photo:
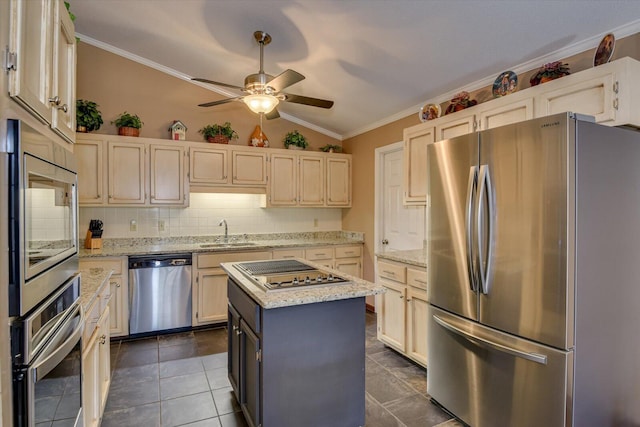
181, 380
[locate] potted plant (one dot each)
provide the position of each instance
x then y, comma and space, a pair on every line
330, 148
220, 134
128, 124
550, 71
295, 140
88, 117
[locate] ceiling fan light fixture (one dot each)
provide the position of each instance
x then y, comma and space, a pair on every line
261, 103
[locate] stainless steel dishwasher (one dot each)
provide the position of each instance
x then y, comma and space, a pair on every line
159, 293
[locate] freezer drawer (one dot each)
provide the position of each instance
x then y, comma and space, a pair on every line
500, 380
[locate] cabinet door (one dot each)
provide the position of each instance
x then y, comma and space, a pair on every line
594, 97
351, 266
208, 166
126, 166
506, 114
166, 174
250, 401
392, 315
338, 182
417, 320
104, 358
415, 164
118, 307
233, 364
63, 113
91, 382
283, 188
455, 127
249, 168
31, 41
311, 181
211, 291
90, 172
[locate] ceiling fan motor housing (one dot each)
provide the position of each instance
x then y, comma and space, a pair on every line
257, 83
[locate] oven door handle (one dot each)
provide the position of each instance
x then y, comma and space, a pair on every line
55, 352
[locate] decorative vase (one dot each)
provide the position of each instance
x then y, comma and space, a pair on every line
258, 138
128, 131
81, 129
294, 147
218, 139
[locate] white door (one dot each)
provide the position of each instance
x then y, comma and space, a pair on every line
398, 226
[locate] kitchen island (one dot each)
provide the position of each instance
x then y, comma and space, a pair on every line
297, 357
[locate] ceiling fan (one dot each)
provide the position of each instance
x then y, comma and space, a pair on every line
264, 91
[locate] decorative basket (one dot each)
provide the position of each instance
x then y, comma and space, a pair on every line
218, 139
128, 131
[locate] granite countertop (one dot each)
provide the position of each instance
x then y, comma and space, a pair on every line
91, 282
417, 257
356, 288
143, 246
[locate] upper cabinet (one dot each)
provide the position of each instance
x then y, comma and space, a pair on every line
130, 171
41, 62
338, 180
296, 179
610, 93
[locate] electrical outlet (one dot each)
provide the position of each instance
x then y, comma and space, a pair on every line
315, 222
161, 225
133, 225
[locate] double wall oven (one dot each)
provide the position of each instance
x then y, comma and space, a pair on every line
44, 285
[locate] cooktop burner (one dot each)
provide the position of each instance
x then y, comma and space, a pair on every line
275, 275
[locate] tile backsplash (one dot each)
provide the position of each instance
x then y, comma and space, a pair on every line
243, 213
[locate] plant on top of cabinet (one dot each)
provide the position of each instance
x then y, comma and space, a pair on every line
331, 148
220, 134
128, 124
295, 140
88, 117
550, 71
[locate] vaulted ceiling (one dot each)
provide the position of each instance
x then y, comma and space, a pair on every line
377, 59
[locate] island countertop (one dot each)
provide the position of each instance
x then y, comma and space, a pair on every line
355, 288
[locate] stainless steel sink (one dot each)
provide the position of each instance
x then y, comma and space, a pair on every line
226, 245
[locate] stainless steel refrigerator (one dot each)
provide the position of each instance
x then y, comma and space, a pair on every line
534, 274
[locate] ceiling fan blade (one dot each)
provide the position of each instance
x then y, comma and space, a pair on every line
211, 82
222, 101
314, 102
285, 79
273, 114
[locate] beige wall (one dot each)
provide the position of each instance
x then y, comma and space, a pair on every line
118, 84
361, 216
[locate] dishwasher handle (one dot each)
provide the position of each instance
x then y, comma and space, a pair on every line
158, 261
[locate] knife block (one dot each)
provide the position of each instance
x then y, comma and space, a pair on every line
92, 242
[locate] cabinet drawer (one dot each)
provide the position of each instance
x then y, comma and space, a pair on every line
417, 278
248, 309
348, 251
316, 254
212, 260
288, 253
107, 264
395, 272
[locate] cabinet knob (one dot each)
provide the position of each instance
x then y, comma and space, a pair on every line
54, 100
62, 107
401, 296
103, 339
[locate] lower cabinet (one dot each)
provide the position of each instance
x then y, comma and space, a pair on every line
119, 283
209, 284
402, 310
297, 365
96, 362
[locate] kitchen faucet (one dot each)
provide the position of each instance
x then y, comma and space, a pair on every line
226, 230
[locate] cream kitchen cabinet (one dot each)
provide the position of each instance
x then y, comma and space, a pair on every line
503, 113
287, 253
311, 182
348, 259
416, 140
42, 63
96, 359
209, 284
402, 310
338, 187
228, 167
249, 167
131, 172
208, 166
119, 290
320, 255
283, 180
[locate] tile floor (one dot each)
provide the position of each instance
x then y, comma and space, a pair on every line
181, 380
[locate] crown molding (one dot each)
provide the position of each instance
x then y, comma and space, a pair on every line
177, 74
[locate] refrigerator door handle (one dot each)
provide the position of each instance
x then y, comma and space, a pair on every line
471, 192
486, 189
534, 357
